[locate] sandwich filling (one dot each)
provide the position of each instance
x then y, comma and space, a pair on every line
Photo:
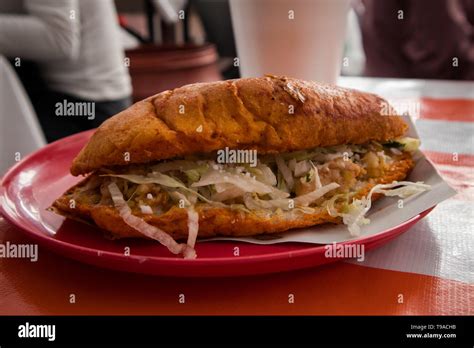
322, 178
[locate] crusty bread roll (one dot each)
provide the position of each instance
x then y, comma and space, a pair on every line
270, 114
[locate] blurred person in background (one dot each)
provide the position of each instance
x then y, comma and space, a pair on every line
69, 56
418, 38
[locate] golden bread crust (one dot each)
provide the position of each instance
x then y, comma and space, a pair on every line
270, 114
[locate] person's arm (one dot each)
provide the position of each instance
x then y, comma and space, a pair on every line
50, 30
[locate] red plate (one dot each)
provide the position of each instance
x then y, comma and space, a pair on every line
31, 186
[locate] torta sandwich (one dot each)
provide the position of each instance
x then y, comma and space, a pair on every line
240, 157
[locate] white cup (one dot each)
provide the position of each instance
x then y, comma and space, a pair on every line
296, 38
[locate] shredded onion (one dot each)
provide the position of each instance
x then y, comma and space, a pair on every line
147, 229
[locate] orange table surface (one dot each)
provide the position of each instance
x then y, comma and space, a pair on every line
44, 288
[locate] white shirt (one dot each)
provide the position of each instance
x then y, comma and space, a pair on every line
76, 44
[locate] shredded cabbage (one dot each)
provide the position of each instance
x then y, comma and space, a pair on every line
146, 229
355, 217
331, 202
229, 193
157, 178
301, 168
243, 182
285, 171
263, 173
309, 198
281, 185
160, 179
254, 203
178, 196
193, 226
316, 175
182, 165
261, 187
